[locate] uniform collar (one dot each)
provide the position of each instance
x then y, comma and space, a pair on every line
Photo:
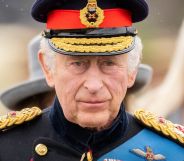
84, 139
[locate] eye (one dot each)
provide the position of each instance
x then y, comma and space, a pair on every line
77, 66
78, 63
108, 66
108, 63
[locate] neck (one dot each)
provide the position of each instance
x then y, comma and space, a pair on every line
87, 137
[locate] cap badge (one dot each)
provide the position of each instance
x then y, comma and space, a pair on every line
91, 16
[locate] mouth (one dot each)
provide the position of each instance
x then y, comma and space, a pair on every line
93, 105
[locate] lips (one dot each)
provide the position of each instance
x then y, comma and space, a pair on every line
92, 99
95, 105
93, 102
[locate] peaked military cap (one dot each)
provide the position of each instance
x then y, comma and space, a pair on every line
90, 27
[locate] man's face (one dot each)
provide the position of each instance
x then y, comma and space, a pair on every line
91, 89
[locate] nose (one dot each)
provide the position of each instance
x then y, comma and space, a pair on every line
93, 82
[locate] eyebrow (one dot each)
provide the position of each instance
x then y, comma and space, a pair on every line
82, 57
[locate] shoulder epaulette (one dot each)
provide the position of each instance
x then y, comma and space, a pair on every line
161, 125
14, 118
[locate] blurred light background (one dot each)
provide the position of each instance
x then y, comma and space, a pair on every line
159, 32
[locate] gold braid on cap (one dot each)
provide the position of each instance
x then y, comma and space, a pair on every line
18, 117
161, 125
93, 45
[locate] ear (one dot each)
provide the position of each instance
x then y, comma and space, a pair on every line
131, 78
49, 75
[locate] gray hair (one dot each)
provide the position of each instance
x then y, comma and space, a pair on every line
49, 55
134, 56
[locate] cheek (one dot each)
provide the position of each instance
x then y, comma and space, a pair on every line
117, 85
65, 83
66, 88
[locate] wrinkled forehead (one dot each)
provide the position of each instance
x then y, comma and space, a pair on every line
121, 57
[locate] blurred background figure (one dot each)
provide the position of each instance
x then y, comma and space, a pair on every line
13, 58
167, 98
32, 92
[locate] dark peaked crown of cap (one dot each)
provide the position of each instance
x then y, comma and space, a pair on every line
41, 8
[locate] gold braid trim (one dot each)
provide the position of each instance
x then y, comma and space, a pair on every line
88, 41
18, 117
161, 125
93, 45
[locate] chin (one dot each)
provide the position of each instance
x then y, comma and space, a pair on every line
95, 123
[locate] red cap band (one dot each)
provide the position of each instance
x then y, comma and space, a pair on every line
70, 19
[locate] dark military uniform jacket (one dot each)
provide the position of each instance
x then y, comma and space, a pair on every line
50, 137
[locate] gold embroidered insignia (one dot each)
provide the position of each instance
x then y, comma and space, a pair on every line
91, 16
18, 117
148, 155
161, 125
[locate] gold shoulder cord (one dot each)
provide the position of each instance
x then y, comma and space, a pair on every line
18, 117
161, 125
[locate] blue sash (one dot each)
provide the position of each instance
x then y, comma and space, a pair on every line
159, 145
